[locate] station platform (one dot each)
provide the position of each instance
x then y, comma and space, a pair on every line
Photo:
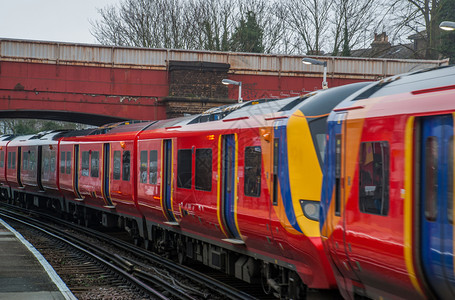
24, 273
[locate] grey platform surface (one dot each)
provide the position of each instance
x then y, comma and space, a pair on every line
22, 274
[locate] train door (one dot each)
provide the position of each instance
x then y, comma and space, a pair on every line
19, 166
167, 182
436, 204
39, 167
106, 175
76, 174
335, 230
229, 187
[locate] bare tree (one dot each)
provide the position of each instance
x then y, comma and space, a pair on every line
418, 17
350, 20
309, 20
212, 22
287, 26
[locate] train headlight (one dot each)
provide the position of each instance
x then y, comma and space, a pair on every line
310, 209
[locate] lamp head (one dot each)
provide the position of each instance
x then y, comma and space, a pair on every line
447, 25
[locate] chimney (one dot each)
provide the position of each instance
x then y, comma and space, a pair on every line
380, 43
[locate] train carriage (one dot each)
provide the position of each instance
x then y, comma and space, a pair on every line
386, 217
4, 187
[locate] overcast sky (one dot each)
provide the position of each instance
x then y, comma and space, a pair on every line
50, 20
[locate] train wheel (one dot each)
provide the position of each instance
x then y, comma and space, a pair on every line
296, 288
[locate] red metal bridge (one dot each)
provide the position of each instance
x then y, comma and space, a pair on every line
96, 84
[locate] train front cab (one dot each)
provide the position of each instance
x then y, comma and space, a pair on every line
387, 199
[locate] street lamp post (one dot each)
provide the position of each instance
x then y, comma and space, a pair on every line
447, 25
239, 83
311, 61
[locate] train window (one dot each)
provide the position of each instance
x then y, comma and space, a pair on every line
153, 166
117, 163
9, 160
203, 169
431, 174
25, 161
252, 177
143, 168
85, 163
13, 160
184, 161
95, 164
32, 160
45, 164
2, 159
374, 178
338, 174
126, 165
68, 162
450, 181
53, 165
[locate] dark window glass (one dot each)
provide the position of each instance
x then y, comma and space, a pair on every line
252, 183
9, 160
95, 164
85, 163
25, 161
450, 181
117, 165
275, 174
374, 178
32, 161
62, 162
431, 174
45, 163
53, 162
184, 160
68, 162
337, 174
2, 159
126, 166
153, 166
203, 170
13, 160
143, 168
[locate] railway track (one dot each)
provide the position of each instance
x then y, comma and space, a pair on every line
146, 273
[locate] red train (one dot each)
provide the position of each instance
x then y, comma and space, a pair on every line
224, 188
238, 188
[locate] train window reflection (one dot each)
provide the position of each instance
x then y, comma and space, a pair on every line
126, 165
95, 163
203, 169
2, 159
153, 166
62, 162
252, 183
85, 163
68, 162
52, 161
143, 167
117, 163
431, 173
374, 178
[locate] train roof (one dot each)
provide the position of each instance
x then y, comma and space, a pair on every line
320, 104
43, 137
408, 82
6, 137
